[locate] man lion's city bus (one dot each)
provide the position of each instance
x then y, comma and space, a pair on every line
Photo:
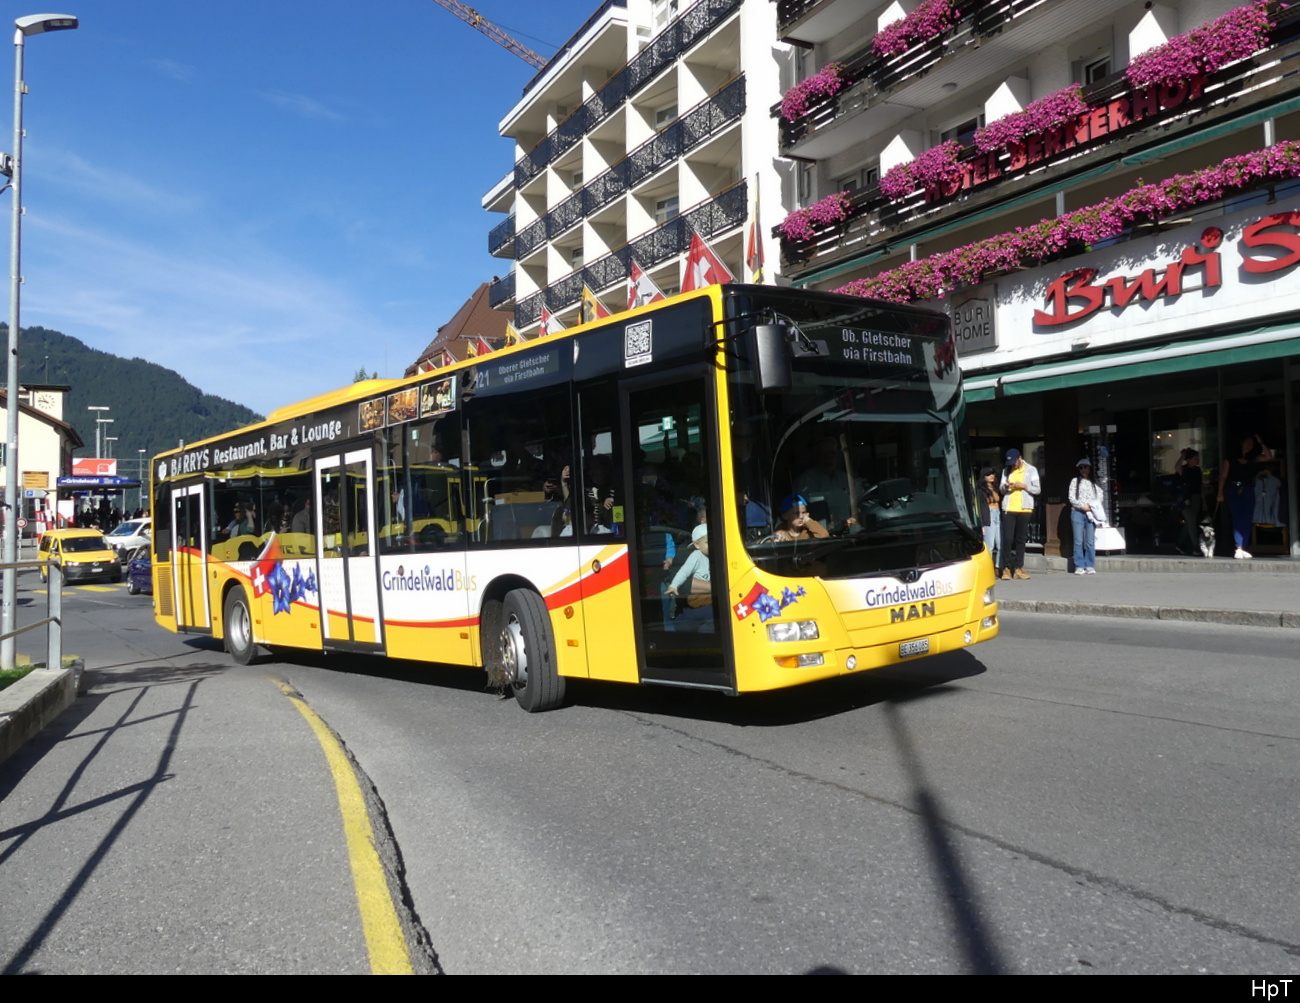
622, 501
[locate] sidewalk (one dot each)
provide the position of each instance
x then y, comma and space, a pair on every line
1258, 593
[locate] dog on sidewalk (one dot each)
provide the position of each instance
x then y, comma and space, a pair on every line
1207, 537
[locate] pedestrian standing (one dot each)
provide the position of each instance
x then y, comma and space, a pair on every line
1237, 487
1084, 505
1019, 486
990, 503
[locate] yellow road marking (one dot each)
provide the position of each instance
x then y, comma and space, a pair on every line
389, 954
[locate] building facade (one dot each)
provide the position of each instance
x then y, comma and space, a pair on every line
45, 446
649, 125
1103, 195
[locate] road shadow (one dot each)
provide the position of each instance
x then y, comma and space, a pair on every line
66, 728
786, 707
961, 898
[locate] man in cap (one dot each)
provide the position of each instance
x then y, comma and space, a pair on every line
1019, 487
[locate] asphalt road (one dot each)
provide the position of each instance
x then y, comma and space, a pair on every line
1078, 796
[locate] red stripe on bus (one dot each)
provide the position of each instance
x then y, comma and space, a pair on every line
610, 576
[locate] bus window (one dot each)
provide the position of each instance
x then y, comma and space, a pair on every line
602, 472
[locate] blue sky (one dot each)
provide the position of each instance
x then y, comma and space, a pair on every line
265, 195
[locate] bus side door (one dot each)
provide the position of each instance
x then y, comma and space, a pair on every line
190, 558
346, 551
670, 436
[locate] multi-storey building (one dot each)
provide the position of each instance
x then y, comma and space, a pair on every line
948, 151
649, 124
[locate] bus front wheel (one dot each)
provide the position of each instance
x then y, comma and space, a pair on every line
239, 628
528, 652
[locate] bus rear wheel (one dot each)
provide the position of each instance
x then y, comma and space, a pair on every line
238, 623
528, 652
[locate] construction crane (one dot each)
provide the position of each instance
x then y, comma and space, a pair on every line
476, 20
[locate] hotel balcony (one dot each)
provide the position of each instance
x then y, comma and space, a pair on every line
884, 90
1103, 150
662, 53
715, 217
692, 130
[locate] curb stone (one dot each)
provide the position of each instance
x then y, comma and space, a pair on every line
1232, 617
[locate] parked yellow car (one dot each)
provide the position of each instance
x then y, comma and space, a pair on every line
83, 554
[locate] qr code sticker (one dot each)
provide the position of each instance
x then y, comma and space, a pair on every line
637, 344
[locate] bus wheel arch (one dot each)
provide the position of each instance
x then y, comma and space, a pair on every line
526, 646
237, 625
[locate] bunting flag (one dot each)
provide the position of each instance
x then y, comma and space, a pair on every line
642, 290
592, 307
703, 267
513, 337
549, 324
754, 243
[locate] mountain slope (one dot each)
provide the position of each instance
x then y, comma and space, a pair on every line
152, 407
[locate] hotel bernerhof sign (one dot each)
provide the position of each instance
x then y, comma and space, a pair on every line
1219, 271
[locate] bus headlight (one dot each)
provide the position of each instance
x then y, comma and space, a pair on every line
795, 630
988, 596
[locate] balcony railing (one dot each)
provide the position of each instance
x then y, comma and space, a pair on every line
706, 119
723, 212
873, 78
680, 34
501, 291
501, 236
1242, 90
789, 11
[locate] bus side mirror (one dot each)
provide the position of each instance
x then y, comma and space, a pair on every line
770, 353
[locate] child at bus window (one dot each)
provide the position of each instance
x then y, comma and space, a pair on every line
796, 524
696, 577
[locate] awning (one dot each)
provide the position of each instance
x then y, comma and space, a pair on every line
1264, 343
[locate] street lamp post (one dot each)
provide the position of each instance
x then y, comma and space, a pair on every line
32, 24
107, 447
99, 420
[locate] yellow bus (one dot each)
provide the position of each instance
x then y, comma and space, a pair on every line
739, 489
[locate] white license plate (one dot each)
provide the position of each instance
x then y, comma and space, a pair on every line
909, 648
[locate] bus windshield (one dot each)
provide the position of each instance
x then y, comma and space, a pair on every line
860, 468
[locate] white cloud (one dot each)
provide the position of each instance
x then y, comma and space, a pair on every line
233, 320
300, 104
61, 167
170, 68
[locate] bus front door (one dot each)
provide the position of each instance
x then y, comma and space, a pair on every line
680, 637
190, 559
346, 552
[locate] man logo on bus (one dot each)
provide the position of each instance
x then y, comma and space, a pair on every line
916, 611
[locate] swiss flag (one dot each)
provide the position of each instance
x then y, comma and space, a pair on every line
703, 267
549, 324
643, 290
743, 608
266, 562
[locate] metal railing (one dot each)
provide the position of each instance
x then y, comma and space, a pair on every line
724, 211
684, 31
873, 78
501, 235
501, 291
716, 112
53, 621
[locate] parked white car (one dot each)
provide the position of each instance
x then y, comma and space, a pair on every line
129, 536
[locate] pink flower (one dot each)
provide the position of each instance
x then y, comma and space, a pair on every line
939, 274
1038, 116
825, 83
802, 224
1236, 35
931, 18
932, 168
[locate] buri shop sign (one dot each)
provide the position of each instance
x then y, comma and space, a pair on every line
1267, 246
